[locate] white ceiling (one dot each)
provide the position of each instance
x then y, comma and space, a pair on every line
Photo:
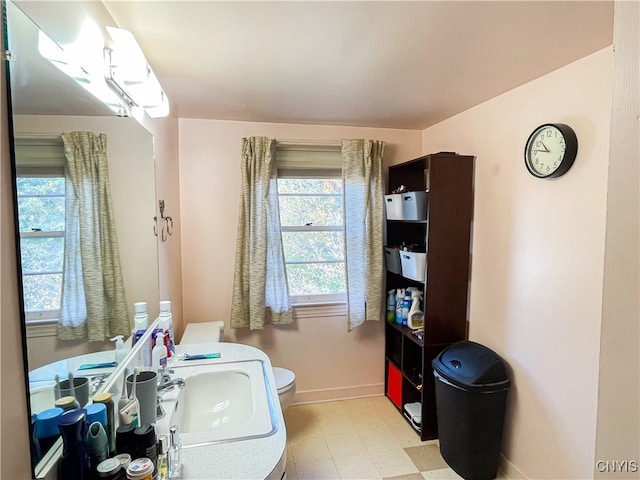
381, 64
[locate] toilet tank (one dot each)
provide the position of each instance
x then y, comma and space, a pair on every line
203, 332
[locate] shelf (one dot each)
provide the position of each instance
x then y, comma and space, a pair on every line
447, 237
406, 331
424, 222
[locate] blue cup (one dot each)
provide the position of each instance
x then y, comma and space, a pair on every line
47, 423
97, 412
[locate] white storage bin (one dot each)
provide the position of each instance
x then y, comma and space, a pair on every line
392, 260
414, 205
393, 205
413, 265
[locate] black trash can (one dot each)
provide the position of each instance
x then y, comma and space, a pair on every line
471, 395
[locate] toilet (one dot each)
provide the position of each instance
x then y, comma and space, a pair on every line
286, 384
214, 331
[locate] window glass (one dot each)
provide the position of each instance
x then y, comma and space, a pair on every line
312, 237
41, 215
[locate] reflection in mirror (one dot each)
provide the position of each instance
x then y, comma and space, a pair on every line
45, 104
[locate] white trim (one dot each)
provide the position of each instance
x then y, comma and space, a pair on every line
340, 393
318, 310
42, 328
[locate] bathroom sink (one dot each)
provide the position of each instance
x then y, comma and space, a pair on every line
221, 402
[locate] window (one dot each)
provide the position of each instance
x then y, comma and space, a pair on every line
41, 220
310, 202
40, 183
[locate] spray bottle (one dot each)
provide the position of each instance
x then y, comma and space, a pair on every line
406, 306
416, 316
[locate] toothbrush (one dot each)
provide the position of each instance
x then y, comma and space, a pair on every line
200, 356
71, 389
122, 402
56, 387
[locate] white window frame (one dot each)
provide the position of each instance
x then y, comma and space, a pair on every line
40, 156
304, 161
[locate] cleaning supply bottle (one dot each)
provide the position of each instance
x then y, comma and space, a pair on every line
166, 324
121, 350
391, 306
406, 306
399, 302
159, 353
416, 316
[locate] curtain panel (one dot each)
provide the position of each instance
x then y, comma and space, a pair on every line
94, 305
363, 217
260, 291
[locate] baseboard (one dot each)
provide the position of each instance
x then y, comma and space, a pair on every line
509, 471
340, 393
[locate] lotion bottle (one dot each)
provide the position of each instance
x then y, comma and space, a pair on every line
159, 353
121, 351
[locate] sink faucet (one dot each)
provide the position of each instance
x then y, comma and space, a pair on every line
165, 383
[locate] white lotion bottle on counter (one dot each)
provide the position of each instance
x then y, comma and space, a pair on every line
159, 353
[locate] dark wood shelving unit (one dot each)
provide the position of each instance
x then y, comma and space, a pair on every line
446, 234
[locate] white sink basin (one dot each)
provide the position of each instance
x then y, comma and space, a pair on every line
220, 402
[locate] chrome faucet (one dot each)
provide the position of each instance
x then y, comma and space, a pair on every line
165, 383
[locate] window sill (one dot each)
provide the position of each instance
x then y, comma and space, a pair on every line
318, 310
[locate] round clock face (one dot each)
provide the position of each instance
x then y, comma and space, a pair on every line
550, 150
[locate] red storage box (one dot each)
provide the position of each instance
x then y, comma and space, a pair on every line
394, 385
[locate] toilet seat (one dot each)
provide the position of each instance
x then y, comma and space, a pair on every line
285, 379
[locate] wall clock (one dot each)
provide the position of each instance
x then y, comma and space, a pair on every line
550, 150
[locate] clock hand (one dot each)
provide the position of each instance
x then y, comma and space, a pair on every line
545, 147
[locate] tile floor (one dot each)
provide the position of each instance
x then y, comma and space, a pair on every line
365, 438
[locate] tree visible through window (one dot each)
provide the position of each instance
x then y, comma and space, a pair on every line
312, 238
41, 217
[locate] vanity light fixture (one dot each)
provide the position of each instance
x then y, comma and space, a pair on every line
119, 76
90, 79
129, 74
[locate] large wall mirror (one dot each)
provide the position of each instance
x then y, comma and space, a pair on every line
45, 103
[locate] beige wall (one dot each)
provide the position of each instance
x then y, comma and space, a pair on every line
538, 253
320, 351
132, 180
618, 435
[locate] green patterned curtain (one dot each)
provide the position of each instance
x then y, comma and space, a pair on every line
260, 291
363, 216
93, 299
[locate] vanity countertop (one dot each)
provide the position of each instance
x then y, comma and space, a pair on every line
257, 458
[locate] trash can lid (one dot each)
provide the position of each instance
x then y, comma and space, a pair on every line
472, 366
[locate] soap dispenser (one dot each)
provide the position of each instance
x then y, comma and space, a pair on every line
121, 350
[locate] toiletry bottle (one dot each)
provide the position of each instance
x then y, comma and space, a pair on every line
166, 323
159, 353
140, 317
145, 444
74, 462
121, 350
415, 319
105, 398
391, 306
163, 446
173, 454
97, 443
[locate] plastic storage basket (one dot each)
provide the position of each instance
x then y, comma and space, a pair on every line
392, 260
413, 265
393, 206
